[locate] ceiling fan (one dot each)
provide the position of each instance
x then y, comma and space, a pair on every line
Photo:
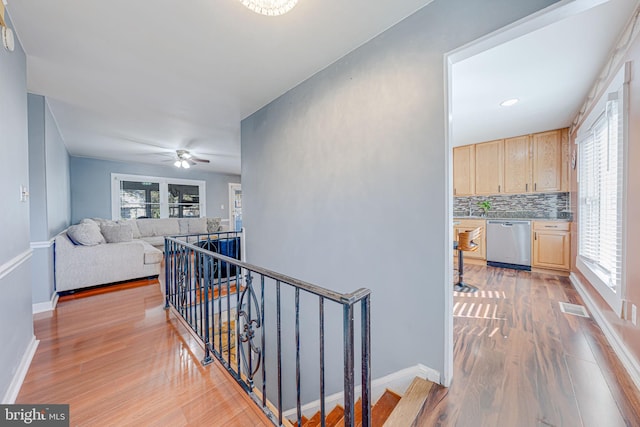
185, 159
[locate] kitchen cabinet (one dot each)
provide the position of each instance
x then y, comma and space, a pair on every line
551, 245
547, 161
517, 165
537, 163
464, 170
470, 224
489, 167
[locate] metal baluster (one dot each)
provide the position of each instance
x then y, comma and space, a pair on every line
205, 280
366, 361
279, 350
349, 391
322, 406
228, 268
220, 307
167, 258
299, 410
262, 339
250, 342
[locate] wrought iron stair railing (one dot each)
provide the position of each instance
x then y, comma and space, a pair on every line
239, 312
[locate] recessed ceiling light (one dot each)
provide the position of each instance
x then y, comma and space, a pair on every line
509, 102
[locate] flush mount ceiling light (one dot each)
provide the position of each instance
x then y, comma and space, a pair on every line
270, 7
509, 102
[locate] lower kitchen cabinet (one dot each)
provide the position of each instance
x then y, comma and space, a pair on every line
551, 245
468, 225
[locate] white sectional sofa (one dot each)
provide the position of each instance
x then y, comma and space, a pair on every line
97, 251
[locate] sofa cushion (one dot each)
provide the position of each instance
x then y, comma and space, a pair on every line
145, 226
134, 227
183, 224
86, 234
152, 255
165, 227
116, 233
197, 225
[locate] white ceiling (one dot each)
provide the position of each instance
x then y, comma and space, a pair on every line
550, 71
135, 80
130, 80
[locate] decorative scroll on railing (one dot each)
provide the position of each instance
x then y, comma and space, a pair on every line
225, 302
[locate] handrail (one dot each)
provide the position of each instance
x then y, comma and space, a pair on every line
350, 298
204, 287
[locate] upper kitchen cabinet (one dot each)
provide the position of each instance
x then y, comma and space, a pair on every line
547, 161
464, 170
489, 167
517, 165
537, 163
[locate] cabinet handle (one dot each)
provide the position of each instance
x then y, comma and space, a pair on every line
526, 187
498, 188
535, 186
535, 236
551, 226
454, 191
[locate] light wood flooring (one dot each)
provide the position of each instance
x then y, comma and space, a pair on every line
520, 361
119, 359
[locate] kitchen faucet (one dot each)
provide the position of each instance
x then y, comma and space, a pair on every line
470, 213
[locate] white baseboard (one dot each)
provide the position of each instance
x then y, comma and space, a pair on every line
397, 381
14, 388
629, 362
41, 307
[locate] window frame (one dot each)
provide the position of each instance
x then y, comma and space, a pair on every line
591, 271
117, 178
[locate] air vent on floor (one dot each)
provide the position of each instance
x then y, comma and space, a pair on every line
574, 309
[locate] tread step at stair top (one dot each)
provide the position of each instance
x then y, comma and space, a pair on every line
391, 409
408, 408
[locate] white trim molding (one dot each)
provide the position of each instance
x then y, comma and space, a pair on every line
16, 383
397, 381
14, 263
626, 357
41, 307
42, 244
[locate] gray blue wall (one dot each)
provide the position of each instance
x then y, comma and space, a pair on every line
346, 183
50, 199
16, 324
91, 185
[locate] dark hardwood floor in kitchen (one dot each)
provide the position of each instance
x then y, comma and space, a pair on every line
520, 361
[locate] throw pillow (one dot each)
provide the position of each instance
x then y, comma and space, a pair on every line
86, 234
213, 225
146, 227
116, 233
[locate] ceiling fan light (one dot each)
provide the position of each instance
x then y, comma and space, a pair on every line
177, 164
185, 164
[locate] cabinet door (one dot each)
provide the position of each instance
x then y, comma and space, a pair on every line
551, 249
547, 161
517, 165
463, 170
489, 165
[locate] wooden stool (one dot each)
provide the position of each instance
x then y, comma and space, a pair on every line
466, 243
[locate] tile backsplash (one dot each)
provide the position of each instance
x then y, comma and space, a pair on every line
543, 205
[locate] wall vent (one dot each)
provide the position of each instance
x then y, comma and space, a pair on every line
574, 309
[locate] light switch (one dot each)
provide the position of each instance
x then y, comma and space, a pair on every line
24, 193
221, 207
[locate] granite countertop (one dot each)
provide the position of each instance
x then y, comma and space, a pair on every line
511, 218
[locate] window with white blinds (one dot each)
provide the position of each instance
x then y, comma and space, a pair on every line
600, 197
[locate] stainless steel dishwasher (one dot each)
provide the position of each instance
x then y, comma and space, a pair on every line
509, 244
